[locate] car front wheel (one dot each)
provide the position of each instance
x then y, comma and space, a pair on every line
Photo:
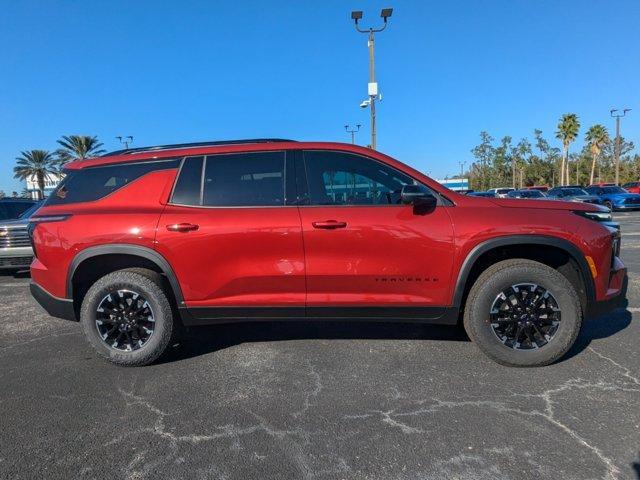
523, 313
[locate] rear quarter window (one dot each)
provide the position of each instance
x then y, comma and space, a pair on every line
94, 183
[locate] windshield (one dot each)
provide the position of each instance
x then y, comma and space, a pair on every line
573, 192
613, 190
27, 213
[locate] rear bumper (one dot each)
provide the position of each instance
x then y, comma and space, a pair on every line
54, 306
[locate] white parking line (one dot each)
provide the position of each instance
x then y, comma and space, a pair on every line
14, 284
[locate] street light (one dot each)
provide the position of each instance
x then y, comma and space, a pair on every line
125, 141
372, 88
353, 132
618, 116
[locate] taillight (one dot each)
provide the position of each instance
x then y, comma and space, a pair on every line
34, 221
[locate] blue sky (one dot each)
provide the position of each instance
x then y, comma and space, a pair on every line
195, 70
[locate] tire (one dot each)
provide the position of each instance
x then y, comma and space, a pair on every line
147, 285
609, 205
484, 296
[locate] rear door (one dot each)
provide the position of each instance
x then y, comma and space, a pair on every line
234, 243
365, 250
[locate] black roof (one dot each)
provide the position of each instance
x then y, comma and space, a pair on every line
174, 146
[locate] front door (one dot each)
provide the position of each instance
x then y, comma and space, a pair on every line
234, 245
363, 248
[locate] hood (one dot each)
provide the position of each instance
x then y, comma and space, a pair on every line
547, 205
15, 223
635, 196
586, 197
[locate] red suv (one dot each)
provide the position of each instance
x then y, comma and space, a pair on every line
139, 243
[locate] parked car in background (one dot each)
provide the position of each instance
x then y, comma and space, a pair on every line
15, 247
526, 194
616, 198
12, 208
482, 194
541, 188
501, 192
632, 187
572, 194
138, 243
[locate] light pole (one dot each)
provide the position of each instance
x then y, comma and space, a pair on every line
372, 88
353, 132
618, 116
462, 164
125, 141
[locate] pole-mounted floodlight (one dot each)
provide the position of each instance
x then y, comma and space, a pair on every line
372, 86
617, 148
125, 141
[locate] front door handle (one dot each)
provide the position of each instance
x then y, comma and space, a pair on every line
182, 227
329, 224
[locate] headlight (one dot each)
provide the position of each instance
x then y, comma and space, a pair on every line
597, 216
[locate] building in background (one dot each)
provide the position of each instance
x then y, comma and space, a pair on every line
455, 184
50, 183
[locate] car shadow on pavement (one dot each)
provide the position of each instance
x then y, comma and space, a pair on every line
208, 339
15, 273
602, 327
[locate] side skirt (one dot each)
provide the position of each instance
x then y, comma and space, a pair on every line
214, 315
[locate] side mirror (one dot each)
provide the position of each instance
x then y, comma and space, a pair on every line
418, 196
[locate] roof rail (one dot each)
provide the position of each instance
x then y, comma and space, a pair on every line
174, 146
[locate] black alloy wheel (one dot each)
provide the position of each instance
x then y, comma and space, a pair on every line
525, 316
125, 320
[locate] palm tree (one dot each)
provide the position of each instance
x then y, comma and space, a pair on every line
78, 146
35, 163
568, 128
597, 137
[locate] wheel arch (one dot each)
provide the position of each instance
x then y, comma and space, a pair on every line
150, 257
515, 242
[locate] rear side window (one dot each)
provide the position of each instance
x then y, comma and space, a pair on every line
94, 183
187, 189
253, 179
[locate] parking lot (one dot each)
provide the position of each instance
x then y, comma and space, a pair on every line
311, 400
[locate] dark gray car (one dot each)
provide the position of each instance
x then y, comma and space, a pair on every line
572, 194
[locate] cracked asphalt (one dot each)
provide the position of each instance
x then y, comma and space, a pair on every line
326, 401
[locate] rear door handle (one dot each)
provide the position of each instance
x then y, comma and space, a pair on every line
329, 224
182, 227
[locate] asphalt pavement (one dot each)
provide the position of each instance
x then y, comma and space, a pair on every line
308, 400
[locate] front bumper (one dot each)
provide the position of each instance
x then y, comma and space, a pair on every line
622, 206
54, 306
616, 296
15, 257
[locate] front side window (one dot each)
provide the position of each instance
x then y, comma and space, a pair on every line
340, 178
93, 183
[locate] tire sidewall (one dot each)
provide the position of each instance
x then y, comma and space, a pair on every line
152, 293
552, 281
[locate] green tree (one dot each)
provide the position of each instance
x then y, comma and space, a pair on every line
567, 132
597, 137
35, 163
78, 147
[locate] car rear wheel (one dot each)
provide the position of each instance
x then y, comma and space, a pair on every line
127, 318
523, 313
608, 204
